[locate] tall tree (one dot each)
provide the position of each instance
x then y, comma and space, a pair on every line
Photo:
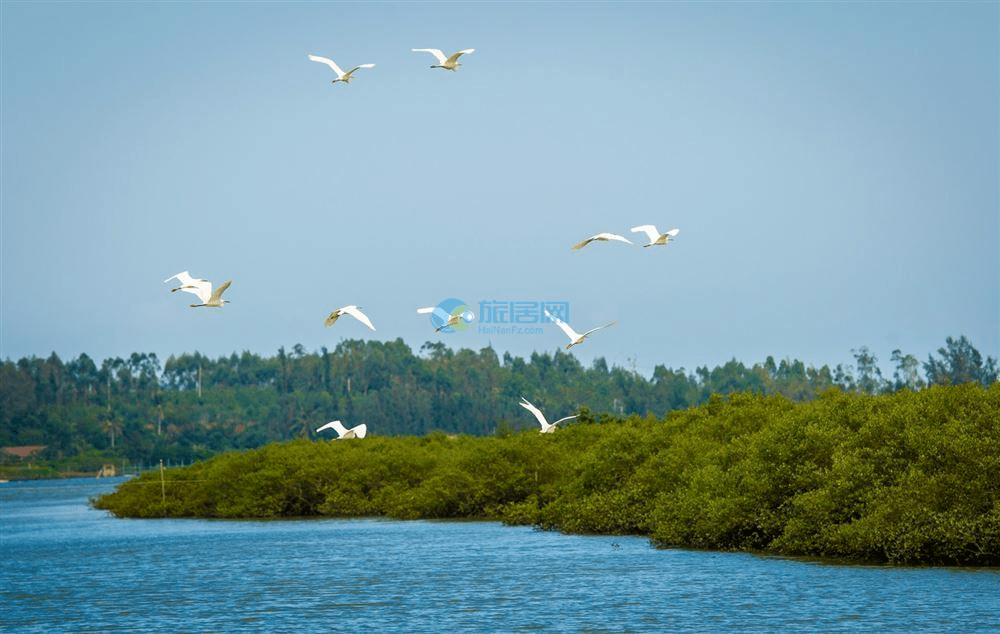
959, 363
869, 375
907, 373
82, 374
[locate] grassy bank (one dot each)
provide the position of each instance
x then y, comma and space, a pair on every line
912, 477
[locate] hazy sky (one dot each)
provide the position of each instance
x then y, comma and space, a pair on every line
833, 169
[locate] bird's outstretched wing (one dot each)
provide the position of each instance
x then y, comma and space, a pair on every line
454, 57
564, 418
433, 51
328, 62
604, 237
360, 431
336, 425
217, 294
526, 404
610, 323
613, 236
350, 72
357, 314
183, 277
649, 230
572, 334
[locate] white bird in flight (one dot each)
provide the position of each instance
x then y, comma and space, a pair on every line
602, 237
201, 288
547, 428
189, 284
341, 75
351, 310
212, 299
451, 63
574, 337
453, 320
343, 433
655, 237
449, 320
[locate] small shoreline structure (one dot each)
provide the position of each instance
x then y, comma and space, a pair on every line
24, 452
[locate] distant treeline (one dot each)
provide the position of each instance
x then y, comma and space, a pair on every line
909, 477
193, 407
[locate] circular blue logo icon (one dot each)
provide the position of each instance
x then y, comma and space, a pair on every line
452, 315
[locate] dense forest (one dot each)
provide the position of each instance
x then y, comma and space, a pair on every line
192, 407
910, 477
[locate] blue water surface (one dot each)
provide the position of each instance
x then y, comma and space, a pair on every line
67, 567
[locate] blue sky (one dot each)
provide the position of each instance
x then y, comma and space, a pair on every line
833, 169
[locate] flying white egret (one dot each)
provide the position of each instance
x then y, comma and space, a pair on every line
212, 299
341, 75
451, 63
602, 237
189, 284
453, 320
351, 310
448, 319
547, 428
655, 237
574, 336
343, 433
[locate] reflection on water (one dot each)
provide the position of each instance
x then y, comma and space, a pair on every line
67, 567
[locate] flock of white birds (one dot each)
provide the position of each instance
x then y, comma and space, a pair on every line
450, 62
213, 299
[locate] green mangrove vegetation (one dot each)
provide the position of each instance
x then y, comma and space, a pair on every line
910, 477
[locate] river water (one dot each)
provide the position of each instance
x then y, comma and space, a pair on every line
65, 567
